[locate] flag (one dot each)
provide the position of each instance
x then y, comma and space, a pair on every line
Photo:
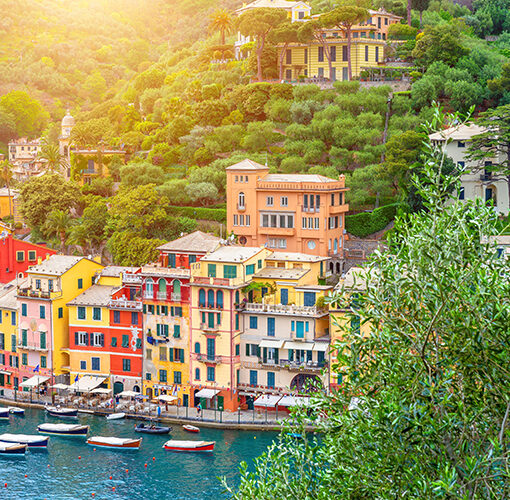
175, 391
77, 377
36, 369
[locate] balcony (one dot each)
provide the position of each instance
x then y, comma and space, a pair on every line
292, 310
176, 297
209, 329
32, 347
206, 358
316, 366
338, 209
310, 210
209, 280
132, 278
277, 231
37, 294
132, 305
161, 295
148, 295
241, 208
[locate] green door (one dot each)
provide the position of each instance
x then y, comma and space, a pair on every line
118, 387
220, 402
2, 379
185, 400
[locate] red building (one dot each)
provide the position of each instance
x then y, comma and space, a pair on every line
16, 256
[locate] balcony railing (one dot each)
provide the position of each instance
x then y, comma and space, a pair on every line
148, 295
32, 347
126, 304
310, 210
206, 358
209, 280
38, 294
208, 328
240, 207
176, 297
282, 309
302, 365
161, 295
132, 278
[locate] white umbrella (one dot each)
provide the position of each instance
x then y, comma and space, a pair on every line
128, 394
60, 386
167, 398
101, 390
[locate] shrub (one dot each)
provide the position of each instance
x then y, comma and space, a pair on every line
367, 223
216, 214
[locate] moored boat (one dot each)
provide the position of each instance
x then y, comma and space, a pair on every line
55, 411
4, 413
16, 410
115, 442
200, 446
64, 429
152, 429
33, 441
191, 428
116, 416
12, 448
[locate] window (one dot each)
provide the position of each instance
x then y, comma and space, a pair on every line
288, 56
270, 327
42, 312
461, 144
253, 377
270, 379
116, 316
366, 52
385, 21
13, 318
96, 313
197, 347
43, 362
97, 339
81, 313
320, 55
269, 201
197, 373
177, 378
332, 53
38, 284
96, 364
284, 201
50, 285
125, 340
192, 259
20, 256
148, 376
176, 287
211, 349
253, 322
80, 283
149, 289
211, 270
238, 349
236, 220
13, 343
201, 297
23, 310
210, 374
162, 376
229, 271
126, 365
250, 269
150, 308
177, 331
240, 201
134, 318
83, 365
377, 54
81, 338
32, 255
114, 342
42, 340
60, 312
277, 243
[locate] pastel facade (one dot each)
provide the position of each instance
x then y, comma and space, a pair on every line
288, 212
7, 201
478, 181
23, 147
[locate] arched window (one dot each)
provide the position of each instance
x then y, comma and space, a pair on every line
162, 289
176, 290
197, 373
210, 298
219, 299
197, 347
241, 200
237, 297
201, 297
149, 288
335, 246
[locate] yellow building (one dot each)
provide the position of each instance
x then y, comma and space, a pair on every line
44, 315
216, 291
7, 201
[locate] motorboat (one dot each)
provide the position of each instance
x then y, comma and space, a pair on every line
116, 416
115, 442
194, 446
15, 410
4, 413
56, 411
12, 448
152, 429
191, 428
32, 441
64, 429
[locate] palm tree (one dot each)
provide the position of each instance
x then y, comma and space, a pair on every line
222, 21
59, 223
6, 176
55, 160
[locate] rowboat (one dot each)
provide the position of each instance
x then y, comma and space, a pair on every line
116, 416
55, 411
152, 429
33, 441
12, 448
16, 411
115, 442
191, 428
4, 413
200, 446
64, 429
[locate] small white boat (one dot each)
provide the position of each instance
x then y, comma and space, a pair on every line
12, 448
191, 428
200, 446
33, 441
116, 416
15, 410
56, 411
64, 429
115, 442
4, 413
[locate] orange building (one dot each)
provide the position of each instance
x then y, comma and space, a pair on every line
294, 212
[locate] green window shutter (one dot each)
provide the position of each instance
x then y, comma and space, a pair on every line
125, 340
177, 331
247, 349
144, 309
170, 354
138, 343
171, 310
158, 329
114, 341
166, 330
181, 355
43, 340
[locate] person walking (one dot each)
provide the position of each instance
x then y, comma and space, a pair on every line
199, 409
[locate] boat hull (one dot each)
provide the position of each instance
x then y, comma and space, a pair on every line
62, 413
157, 430
191, 428
134, 445
16, 411
32, 442
13, 449
81, 432
207, 447
116, 416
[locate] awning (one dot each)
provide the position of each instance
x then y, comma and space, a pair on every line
167, 399
128, 394
267, 401
321, 346
277, 344
206, 393
34, 381
60, 386
87, 383
294, 401
303, 346
3, 372
101, 390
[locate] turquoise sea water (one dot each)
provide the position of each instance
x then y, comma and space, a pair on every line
59, 474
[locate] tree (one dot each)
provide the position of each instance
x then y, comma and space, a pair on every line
205, 192
259, 23
58, 223
420, 6
29, 115
175, 192
55, 161
344, 18
221, 21
130, 249
259, 136
7, 126
423, 404
140, 173
6, 176
285, 33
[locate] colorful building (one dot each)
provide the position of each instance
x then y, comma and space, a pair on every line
7, 201
301, 213
23, 147
16, 256
217, 282
43, 332
285, 325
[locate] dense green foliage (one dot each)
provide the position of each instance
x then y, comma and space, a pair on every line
366, 223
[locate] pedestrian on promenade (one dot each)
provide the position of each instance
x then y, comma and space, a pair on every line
199, 409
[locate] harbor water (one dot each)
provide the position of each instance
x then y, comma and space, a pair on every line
151, 473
